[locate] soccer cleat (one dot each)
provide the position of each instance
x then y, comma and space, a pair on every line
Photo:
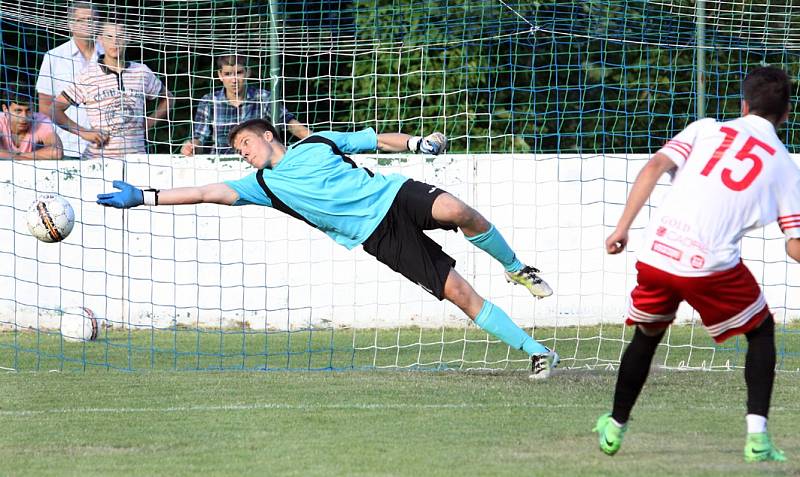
609, 434
542, 364
759, 448
528, 277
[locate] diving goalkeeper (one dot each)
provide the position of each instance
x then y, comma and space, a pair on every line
315, 181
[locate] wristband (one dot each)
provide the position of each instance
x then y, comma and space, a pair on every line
150, 196
413, 143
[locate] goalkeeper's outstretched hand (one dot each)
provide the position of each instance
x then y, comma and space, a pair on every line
435, 144
127, 197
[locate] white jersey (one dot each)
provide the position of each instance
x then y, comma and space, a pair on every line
731, 177
60, 67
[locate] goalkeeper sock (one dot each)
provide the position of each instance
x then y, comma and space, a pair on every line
759, 367
495, 245
633, 371
496, 322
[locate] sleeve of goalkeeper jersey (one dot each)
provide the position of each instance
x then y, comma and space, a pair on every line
249, 191
355, 142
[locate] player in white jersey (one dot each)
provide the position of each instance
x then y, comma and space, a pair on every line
727, 178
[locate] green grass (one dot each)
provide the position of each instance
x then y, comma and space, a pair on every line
377, 423
450, 348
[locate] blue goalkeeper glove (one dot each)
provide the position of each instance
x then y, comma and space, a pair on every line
127, 197
435, 144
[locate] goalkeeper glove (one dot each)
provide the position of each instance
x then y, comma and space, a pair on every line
128, 196
435, 144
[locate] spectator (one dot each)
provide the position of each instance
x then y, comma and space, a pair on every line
23, 134
234, 103
63, 64
114, 92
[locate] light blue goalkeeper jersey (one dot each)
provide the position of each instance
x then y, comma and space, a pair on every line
316, 182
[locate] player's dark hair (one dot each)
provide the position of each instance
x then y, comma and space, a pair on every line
231, 60
767, 90
18, 95
258, 126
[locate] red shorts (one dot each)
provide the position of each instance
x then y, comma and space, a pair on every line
729, 302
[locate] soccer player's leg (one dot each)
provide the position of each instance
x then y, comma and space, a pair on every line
652, 308
731, 303
759, 374
484, 235
400, 243
492, 319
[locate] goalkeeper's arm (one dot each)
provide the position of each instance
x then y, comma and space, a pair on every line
129, 196
435, 143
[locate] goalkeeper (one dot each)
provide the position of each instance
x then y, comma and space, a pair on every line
316, 182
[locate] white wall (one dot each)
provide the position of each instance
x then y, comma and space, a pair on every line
214, 265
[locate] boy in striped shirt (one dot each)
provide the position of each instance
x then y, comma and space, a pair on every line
115, 94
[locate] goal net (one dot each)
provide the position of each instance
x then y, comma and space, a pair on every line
551, 109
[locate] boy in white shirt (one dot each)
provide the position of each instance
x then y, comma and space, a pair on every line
62, 65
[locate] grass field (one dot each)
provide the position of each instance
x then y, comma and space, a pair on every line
343, 349
377, 423
70, 410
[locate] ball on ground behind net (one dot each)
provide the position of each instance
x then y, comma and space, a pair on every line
79, 324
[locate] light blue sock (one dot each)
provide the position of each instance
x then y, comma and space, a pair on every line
495, 245
494, 321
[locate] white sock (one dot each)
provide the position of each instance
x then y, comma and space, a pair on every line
756, 423
614, 421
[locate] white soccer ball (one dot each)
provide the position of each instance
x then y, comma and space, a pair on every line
50, 218
78, 324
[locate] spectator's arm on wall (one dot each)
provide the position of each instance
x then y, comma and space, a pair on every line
201, 128
51, 149
298, 130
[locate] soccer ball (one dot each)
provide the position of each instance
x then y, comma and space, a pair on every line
78, 324
50, 218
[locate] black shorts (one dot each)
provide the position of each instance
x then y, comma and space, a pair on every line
400, 243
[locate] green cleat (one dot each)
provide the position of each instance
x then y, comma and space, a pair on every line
759, 448
527, 277
610, 435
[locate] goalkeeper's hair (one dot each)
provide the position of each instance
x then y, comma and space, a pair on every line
258, 126
767, 90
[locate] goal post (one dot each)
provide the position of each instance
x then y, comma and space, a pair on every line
551, 108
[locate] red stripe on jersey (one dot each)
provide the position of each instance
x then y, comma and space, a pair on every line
681, 145
679, 151
797, 226
792, 217
681, 142
788, 223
